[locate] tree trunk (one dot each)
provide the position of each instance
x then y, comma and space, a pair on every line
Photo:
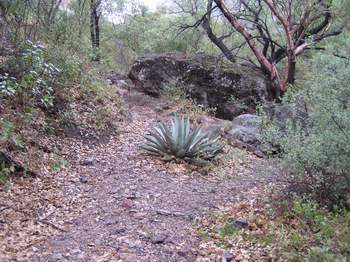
291, 69
265, 64
92, 25
219, 43
95, 30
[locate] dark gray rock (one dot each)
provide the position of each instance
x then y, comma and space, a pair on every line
232, 90
228, 257
159, 238
281, 114
245, 131
185, 251
88, 162
56, 257
83, 179
239, 223
246, 128
150, 73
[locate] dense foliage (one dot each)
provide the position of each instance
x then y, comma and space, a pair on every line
317, 147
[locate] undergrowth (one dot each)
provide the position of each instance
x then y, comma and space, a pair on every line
184, 105
283, 230
42, 94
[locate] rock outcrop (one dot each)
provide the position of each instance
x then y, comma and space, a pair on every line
232, 90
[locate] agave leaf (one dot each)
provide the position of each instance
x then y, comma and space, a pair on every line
200, 138
151, 140
187, 126
167, 134
207, 142
204, 146
186, 130
174, 131
190, 138
152, 150
177, 135
158, 136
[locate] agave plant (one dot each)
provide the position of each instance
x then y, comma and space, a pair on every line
179, 141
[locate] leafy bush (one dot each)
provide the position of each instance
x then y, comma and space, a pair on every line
4, 174
317, 149
179, 141
9, 135
35, 81
8, 85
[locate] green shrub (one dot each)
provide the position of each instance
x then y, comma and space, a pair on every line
317, 149
4, 174
179, 141
36, 78
9, 135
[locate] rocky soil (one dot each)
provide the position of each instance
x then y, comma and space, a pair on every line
114, 203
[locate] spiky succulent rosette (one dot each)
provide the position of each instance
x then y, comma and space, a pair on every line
179, 141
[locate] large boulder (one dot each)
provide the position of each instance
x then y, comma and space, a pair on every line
150, 73
232, 90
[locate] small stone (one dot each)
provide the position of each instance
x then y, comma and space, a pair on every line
119, 231
98, 242
171, 114
111, 221
133, 243
159, 238
184, 251
158, 109
88, 162
75, 251
127, 203
81, 256
56, 257
228, 256
132, 196
240, 223
83, 179
259, 153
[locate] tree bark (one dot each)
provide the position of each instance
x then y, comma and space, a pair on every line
266, 65
95, 29
213, 38
92, 25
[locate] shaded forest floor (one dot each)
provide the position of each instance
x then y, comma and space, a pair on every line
114, 203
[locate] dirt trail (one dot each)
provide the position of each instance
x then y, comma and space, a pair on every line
135, 210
